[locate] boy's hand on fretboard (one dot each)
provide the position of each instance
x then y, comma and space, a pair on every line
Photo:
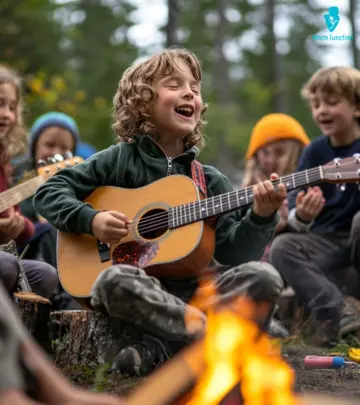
267, 200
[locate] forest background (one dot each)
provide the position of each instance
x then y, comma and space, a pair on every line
256, 55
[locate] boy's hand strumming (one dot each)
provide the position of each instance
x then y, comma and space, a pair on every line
309, 205
266, 199
110, 226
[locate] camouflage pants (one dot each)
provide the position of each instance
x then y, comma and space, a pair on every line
160, 308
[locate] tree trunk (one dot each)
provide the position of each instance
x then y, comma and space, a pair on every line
86, 338
35, 314
172, 23
354, 51
276, 77
222, 86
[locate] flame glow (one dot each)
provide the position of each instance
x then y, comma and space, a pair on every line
235, 350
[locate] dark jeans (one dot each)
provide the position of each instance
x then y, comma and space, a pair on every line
312, 263
42, 277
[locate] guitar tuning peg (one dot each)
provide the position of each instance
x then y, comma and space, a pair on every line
342, 187
51, 160
40, 163
68, 155
356, 157
58, 157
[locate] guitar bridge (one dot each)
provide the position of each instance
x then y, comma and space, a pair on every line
104, 251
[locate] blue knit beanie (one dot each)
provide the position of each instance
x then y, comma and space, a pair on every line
52, 119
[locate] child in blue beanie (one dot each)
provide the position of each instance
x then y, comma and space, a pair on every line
52, 133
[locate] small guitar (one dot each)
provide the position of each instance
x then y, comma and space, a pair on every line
168, 236
22, 191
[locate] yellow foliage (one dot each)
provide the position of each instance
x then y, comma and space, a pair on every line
99, 102
36, 85
58, 83
80, 95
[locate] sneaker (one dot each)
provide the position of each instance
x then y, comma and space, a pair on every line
350, 316
141, 358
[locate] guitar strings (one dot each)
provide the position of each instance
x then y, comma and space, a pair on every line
163, 217
160, 220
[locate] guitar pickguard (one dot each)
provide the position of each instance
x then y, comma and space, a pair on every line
135, 254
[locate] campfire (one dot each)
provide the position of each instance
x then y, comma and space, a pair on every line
235, 356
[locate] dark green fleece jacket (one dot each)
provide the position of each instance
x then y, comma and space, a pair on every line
241, 236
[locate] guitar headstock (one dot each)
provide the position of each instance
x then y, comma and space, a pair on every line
56, 164
342, 170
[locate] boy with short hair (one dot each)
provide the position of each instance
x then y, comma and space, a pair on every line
329, 237
158, 113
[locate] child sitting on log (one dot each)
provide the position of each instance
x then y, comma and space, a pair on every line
158, 117
13, 225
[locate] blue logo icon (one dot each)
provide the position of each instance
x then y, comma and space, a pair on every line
332, 18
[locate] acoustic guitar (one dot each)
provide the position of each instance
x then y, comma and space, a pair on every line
22, 191
169, 236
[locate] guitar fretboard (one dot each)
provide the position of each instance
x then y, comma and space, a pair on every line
19, 193
199, 210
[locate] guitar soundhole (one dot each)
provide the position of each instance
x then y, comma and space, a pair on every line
153, 224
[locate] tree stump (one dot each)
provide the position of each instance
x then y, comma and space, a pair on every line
87, 338
35, 314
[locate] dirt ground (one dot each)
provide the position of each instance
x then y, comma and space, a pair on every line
342, 383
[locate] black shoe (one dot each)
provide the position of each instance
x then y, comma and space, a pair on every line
141, 358
326, 333
350, 316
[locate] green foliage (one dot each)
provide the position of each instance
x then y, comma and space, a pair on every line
72, 55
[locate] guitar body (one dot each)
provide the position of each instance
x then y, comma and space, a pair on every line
166, 253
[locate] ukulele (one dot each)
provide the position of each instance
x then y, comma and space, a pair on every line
22, 191
168, 236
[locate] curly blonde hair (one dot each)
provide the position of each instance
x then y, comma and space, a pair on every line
15, 142
131, 113
339, 80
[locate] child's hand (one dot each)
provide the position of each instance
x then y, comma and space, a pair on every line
12, 223
266, 199
110, 226
309, 205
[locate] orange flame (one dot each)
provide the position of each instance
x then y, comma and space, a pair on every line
235, 350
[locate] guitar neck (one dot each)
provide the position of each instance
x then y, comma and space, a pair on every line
199, 210
19, 193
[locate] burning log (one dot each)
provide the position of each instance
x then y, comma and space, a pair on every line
233, 351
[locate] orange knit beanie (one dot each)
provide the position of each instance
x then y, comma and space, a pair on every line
275, 127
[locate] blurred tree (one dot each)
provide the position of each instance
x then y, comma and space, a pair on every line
172, 24
30, 37
353, 10
98, 43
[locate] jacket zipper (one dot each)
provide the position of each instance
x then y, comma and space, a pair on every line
169, 166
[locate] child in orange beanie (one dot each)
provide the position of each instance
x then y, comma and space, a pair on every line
275, 146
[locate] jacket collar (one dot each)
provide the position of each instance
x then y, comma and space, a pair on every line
150, 148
